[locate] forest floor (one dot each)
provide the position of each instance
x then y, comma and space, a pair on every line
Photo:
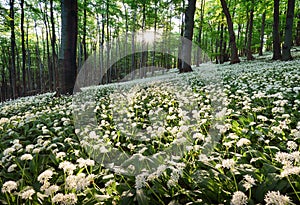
223, 134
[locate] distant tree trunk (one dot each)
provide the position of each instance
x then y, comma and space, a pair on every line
188, 34
288, 37
298, 30
67, 60
179, 62
133, 66
276, 34
23, 49
84, 30
198, 61
250, 32
234, 52
262, 33
12, 47
53, 40
221, 42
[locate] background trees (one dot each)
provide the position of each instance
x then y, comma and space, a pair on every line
32, 36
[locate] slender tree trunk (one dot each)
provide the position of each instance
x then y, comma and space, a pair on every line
288, 37
179, 62
198, 60
221, 58
67, 59
188, 35
12, 47
262, 33
234, 52
53, 41
276, 34
133, 66
298, 30
84, 30
250, 32
23, 49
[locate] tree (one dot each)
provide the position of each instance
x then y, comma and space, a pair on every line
250, 32
276, 34
288, 37
234, 52
12, 47
262, 33
67, 58
23, 47
188, 34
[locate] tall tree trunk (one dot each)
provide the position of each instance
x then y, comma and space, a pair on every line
198, 60
234, 52
288, 37
221, 43
67, 58
250, 32
298, 30
276, 34
133, 66
84, 30
12, 47
179, 62
23, 49
262, 33
53, 41
188, 35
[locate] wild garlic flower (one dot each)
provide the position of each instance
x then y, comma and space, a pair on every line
243, 142
67, 166
26, 157
27, 194
9, 186
67, 199
290, 170
228, 163
85, 162
239, 198
45, 176
292, 145
275, 198
249, 182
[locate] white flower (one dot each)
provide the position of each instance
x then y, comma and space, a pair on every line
140, 180
242, 142
27, 194
12, 167
292, 145
249, 181
29, 147
85, 162
275, 198
26, 157
51, 190
8, 151
198, 136
67, 166
289, 170
45, 176
228, 163
68, 199
9, 186
60, 155
239, 198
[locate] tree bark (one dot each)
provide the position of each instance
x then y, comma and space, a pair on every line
298, 30
288, 37
188, 35
53, 41
262, 33
23, 49
276, 34
12, 47
234, 52
250, 32
67, 59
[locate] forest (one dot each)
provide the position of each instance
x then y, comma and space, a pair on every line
33, 36
162, 102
